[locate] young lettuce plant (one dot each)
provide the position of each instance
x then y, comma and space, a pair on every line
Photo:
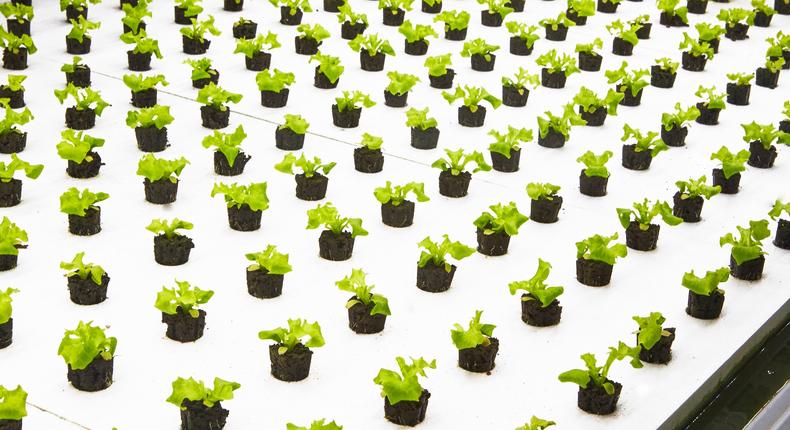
454, 179
597, 393
640, 233
139, 57
352, 23
481, 54
472, 113
739, 88
143, 88
16, 49
696, 53
202, 73
245, 204
180, 311
336, 242
12, 239
579, 10
171, 248
10, 188
456, 24
673, 124
556, 68
13, 405
393, 11
316, 425
747, 256
368, 157
654, 341
397, 91
671, 14
150, 127
554, 131
625, 38
416, 37
424, 131
367, 311
266, 272
638, 156
402, 391
545, 203
595, 259
18, 17
539, 304
186, 10
256, 51
13, 92
630, 83
761, 138
6, 335
768, 75
312, 182
594, 109
83, 213
557, 28
310, 38
711, 106
434, 272
160, 178
88, 104
536, 423
663, 72
595, 176
523, 37
477, 349
705, 298
273, 85
495, 228
229, 159
736, 22
690, 197
328, 71
289, 135
589, 59
347, 109
134, 16
496, 11
87, 282
12, 138
292, 11
78, 40
193, 38
514, 88
396, 209
506, 150
782, 239
201, 406
728, 175
88, 354
290, 354
372, 51
215, 113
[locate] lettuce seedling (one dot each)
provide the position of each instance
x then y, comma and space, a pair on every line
730, 163
555, 63
538, 190
273, 262
13, 118
13, 43
168, 228
326, 215
250, 47
76, 267
500, 7
329, 66
79, 5
185, 296
679, 118
643, 214
712, 100
371, 142
138, 82
191, 7
416, 33
766, 134
252, 195
583, 8
351, 100
80, 28
5, 314
12, 402
774, 66
632, 81
560, 124
355, 284
590, 48
536, 423
707, 32
401, 83
74, 202
650, 329
308, 167
274, 81
735, 15
600, 375
453, 19
590, 102
142, 43
155, 169
395, 195
520, 80
502, 218
295, 123
17, 11
316, 425
618, 29
226, 143
16, 164
297, 330
740, 79
597, 248
84, 98
347, 15
315, 32
372, 43
526, 33
438, 64
708, 284
84, 344
748, 246
201, 68
189, 389
697, 188
555, 23
133, 16
154, 116
696, 48
666, 64
293, 5
478, 47
394, 5
536, 287
510, 141
403, 386
671, 9
476, 334
198, 29
457, 161
647, 142
12, 238
595, 165
472, 97
418, 118
436, 253
216, 97
761, 6
76, 146
14, 83
778, 208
